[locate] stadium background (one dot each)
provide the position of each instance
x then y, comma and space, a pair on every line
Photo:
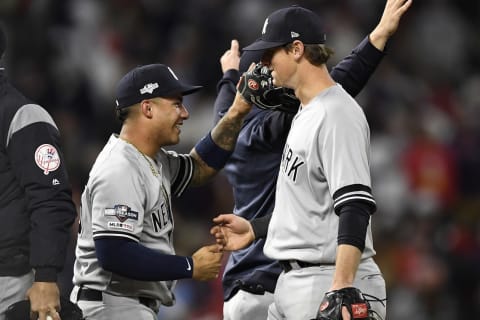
423, 106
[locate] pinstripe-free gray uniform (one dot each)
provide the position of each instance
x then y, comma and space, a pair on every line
325, 164
128, 195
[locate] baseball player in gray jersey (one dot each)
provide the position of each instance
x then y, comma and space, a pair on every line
320, 229
249, 277
126, 265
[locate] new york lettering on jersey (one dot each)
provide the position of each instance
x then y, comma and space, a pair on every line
291, 163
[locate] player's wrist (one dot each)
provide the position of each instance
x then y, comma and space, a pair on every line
240, 107
211, 153
45, 274
378, 38
251, 233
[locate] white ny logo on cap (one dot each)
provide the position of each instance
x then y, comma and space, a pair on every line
264, 29
173, 74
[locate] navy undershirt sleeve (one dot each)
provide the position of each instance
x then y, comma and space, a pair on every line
352, 228
260, 226
133, 260
226, 90
354, 71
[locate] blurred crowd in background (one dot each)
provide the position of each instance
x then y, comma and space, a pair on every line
423, 107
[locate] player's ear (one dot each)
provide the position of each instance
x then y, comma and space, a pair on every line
146, 108
297, 48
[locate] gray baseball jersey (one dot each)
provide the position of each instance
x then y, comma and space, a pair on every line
324, 164
128, 195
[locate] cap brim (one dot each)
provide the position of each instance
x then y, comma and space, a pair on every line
249, 57
263, 45
190, 90
182, 89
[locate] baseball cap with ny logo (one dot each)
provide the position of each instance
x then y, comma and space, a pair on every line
287, 25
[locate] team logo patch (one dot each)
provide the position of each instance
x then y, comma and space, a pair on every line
252, 84
120, 225
47, 158
122, 212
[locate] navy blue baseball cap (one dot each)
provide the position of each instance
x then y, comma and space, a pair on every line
287, 25
150, 81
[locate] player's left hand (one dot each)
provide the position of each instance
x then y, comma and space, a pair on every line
255, 83
346, 303
231, 58
232, 232
44, 300
393, 12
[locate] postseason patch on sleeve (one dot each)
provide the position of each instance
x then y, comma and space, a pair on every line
122, 213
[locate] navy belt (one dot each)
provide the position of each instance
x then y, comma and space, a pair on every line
87, 294
289, 265
253, 288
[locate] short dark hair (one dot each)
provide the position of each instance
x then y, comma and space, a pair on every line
316, 54
123, 113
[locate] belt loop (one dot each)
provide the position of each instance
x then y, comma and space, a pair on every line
294, 264
74, 294
289, 265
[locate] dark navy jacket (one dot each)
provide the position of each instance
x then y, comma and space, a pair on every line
36, 208
253, 167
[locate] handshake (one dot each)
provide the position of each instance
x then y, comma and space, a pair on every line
231, 233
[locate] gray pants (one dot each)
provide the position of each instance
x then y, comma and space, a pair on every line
113, 307
299, 292
245, 305
13, 289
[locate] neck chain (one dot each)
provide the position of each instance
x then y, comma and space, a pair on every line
152, 168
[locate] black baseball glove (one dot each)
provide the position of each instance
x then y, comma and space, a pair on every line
257, 87
280, 98
352, 298
21, 310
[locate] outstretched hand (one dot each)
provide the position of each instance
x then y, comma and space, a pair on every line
231, 58
388, 25
232, 232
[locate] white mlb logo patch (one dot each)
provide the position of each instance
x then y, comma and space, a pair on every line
116, 225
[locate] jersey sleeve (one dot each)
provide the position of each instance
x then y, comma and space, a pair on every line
180, 168
118, 202
354, 71
344, 153
34, 151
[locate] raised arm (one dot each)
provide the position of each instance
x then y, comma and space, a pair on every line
212, 152
354, 70
226, 87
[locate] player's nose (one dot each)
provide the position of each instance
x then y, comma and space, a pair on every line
184, 112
